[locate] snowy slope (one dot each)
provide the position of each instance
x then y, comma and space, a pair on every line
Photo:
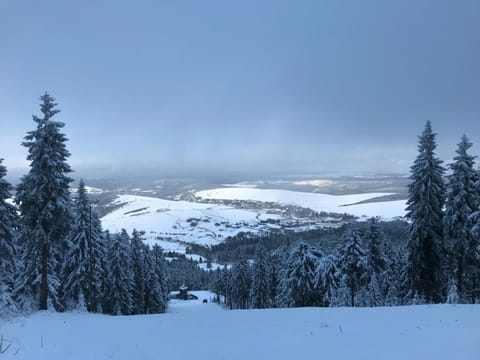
192, 330
170, 220
315, 201
172, 224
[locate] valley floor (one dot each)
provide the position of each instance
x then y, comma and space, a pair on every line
193, 330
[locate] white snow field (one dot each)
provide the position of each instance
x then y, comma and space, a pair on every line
193, 330
315, 201
171, 224
169, 219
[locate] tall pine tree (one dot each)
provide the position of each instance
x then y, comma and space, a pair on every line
462, 200
120, 276
297, 284
45, 216
241, 282
377, 264
82, 267
260, 281
426, 195
156, 287
8, 256
352, 264
138, 253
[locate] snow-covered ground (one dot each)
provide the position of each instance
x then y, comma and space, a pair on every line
173, 224
185, 221
193, 330
315, 201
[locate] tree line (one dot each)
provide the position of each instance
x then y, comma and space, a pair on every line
53, 252
439, 262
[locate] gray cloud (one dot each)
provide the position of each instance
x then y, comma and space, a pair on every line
318, 86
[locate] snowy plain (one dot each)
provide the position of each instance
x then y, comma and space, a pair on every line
171, 224
172, 220
193, 330
315, 201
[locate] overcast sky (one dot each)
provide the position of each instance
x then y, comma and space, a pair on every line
285, 86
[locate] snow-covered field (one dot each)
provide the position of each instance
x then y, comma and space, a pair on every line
315, 201
192, 330
172, 224
179, 220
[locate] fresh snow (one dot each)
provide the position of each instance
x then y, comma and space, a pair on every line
193, 330
173, 224
314, 201
168, 220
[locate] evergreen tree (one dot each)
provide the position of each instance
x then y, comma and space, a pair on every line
426, 194
275, 261
472, 261
106, 300
393, 282
376, 266
325, 278
241, 282
297, 284
97, 259
376, 259
156, 289
260, 283
452, 297
82, 268
8, 256
373, 295
120, 274
44, 201
462, 200
352, 263
138, 267
228, 283
218, 285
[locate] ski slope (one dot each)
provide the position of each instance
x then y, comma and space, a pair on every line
315, 201
193, 330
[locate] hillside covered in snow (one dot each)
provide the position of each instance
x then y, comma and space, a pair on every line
212, 215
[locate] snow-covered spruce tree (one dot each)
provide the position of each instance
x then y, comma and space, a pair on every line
461, 202
120, 274
45, 211
8, 255
228, 284
241, 282
260, 296
106, 301
156, 289
325, 278
98, 256
82, 271
376, 259
452, 297
472, 262
341, 296
393, 281
376, 265
217, 286
297, 284
352, 264
275, 264
138, 250
426, 195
